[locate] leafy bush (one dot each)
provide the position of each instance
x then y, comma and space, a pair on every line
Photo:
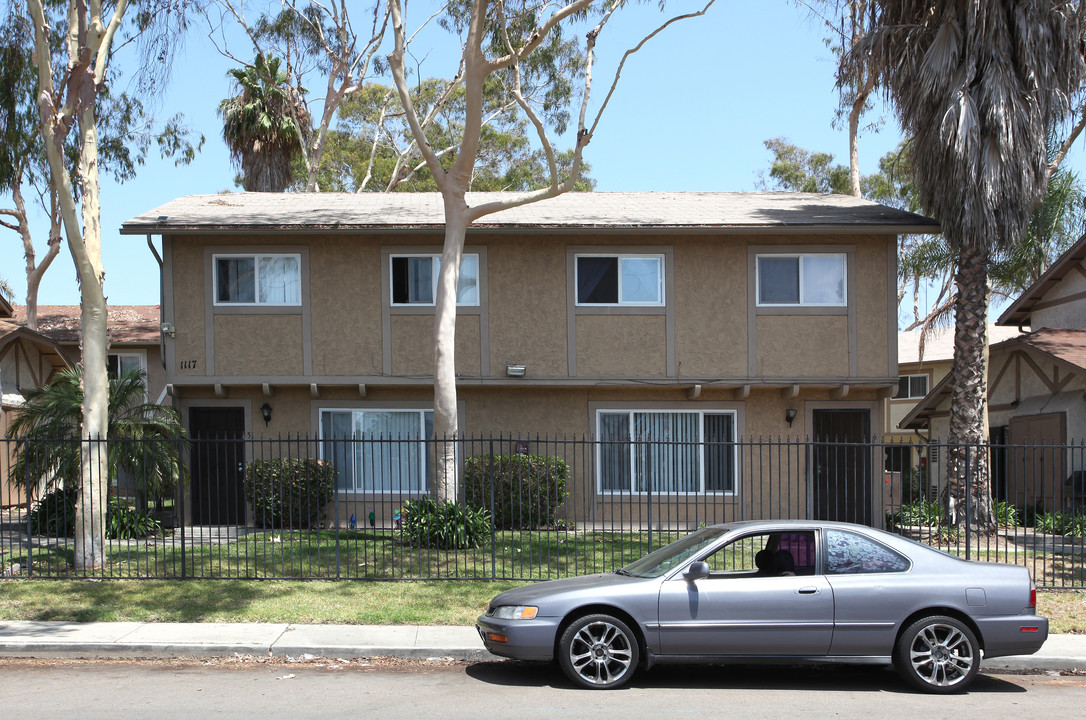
527, 488
54, 515
924, 512
289, 492
1073, 524
124, 523
1006, 514
445, 525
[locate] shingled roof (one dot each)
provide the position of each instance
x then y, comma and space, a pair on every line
135, 324
600, 211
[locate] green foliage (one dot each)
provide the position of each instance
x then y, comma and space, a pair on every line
922, 512
54, 515
265, 125
1058, 523
1006, 514
124, 523
364, 132
445, 525
144, 438
289, 492
799, 170
527, 489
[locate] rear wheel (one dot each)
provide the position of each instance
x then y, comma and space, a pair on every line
938, 654
598, 652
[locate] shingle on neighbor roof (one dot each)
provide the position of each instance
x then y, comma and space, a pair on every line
126, 323
425, 211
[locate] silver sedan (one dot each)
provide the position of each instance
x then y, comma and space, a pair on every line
787, 591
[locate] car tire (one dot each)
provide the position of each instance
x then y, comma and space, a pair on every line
938, 654
599, 652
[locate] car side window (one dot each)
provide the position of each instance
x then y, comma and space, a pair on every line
765, 555
849, 553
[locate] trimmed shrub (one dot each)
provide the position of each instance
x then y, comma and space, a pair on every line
528, 489
444, 525
289, 492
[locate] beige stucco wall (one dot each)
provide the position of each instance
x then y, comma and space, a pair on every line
803, 346
526, 315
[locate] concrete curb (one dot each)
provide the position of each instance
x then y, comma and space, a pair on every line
205, 640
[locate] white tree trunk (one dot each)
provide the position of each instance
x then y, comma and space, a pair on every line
446, 427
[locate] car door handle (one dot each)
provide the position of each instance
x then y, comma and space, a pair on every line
808, 591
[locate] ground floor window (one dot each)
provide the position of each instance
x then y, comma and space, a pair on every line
643, 451
378, 451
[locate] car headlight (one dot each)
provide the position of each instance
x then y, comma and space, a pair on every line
515, 612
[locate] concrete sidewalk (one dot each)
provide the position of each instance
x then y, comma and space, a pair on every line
173, 640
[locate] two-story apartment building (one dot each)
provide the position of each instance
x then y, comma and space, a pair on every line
665, 317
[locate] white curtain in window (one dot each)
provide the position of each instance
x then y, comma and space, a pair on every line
420, 279
280, 280
467, 289
666, 453
823, 280
392, 459
641, 281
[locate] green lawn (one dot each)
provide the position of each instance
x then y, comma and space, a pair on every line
440, 602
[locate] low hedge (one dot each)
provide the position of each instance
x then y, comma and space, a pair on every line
527, 489
289, 492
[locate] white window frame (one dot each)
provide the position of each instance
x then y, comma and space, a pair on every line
141, 359
256, 257
423, 444
910, 396
701, 492
800, 257
435, 258
621, 256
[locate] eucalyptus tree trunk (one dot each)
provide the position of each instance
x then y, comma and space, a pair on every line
446, 424
968, 494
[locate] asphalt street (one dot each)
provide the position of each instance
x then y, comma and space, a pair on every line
413, 689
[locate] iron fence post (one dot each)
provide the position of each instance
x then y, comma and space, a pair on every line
493, 531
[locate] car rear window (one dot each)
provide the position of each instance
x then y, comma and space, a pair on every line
848, 553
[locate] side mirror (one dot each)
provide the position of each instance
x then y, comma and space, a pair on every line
696, 571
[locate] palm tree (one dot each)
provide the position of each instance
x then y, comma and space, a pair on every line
976, 84
144, 439
264, 125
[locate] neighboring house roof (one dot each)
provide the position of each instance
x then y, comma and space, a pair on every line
939, 345
424, 212
6, 310
1019, 312
1064, 346
128, 324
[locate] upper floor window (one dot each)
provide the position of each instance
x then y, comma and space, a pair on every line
414, 279
620, 280
119, 363
258, 279
654, 451
911, 387
814, 279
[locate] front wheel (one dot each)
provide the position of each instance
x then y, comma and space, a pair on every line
598, 652
938, 654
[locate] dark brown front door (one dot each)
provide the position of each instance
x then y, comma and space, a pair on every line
218, 464
841, 472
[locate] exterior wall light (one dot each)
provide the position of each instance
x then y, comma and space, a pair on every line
790, 415
265, 412
515, 370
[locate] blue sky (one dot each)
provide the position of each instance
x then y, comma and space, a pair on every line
691, 113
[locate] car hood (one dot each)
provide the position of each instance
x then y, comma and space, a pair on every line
552, 590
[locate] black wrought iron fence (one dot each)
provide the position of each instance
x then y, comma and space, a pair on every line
525, 508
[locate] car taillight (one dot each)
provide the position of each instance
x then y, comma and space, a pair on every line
1033, 597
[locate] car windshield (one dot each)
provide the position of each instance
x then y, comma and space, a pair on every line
657, 563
